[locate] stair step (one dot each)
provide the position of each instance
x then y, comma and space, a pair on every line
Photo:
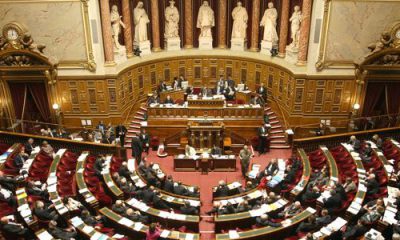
135, 126
276, 126
277, 141
280, 146
276, 131
133, 131
272, 118
143, 109
135, 122
140, 113
277, 136
269, 113
127, 146
274, 122
139, 117
267, 108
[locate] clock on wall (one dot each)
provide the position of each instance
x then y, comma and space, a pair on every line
13, 31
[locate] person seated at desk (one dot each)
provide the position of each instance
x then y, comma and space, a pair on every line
179, 189
59, 233
169, 100
222, 190
262, 91
99, 165
182, 79
29, 146
366, 154
243, 207
195, 193
307, 225
263, 221
352, 232
188, 210
229, 93
158, 202
311, 194
176, 84
190, 151
37, 189
220, 86
119, 207
15, 229
249, 186
162, 87
154, 232
333, 202
230, 81
44, 212
291, 210
168, 184
127, 188
372, 185
189, 91
378, 141
324, 218
355, 143
7, 196
255, 100
136, 216
154, 99
216, 150
205, 92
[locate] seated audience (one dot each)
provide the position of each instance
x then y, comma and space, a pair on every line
153, 233
355, 143
222, 190
308, 225
7, 196
324, 218
136, 216
119, 207
59, 233
189, 210
378, 141
333, 202
372, 184
311, 194
349, 185
45, 212
29, 146
48, 149
99, 165
8, 226
263, 221
291, 210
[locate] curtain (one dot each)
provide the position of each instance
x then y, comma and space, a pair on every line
372, 97
393, 98
17, 91
39, 96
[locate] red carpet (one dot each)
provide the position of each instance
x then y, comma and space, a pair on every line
206, 182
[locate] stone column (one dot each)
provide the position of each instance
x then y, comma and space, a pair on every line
126, 16
188, 21
107, 32
284, 29
222, 23
304, 32
255, 28
155, 26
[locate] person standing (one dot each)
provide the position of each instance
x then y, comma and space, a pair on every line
244, 157
145, 139
120, 133
262, 135
137, 149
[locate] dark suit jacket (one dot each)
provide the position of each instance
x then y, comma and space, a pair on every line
162, 87
98, 166
136, 145
262, 131
28, 148
169, 101
222, 191
168, 186
334, 201
14, 229
144, 138
189, 210
262, 91
372, 186
271, 168
180, 190
18, 161
216, 151
264, 223
120, 130
148, 196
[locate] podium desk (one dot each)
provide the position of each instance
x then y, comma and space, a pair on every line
223, 163
205, 103
174, 94
245, 96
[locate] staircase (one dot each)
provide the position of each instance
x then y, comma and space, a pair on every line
135, 125
277, 134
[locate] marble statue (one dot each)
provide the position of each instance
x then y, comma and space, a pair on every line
171, 21
205, 20
141, 19
295, 27
116, 24
269, 23
240, 18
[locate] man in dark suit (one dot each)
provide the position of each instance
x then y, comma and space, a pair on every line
355, 143
119, 207
356, 231
15, 229
137, 149
262, 91
44, 212
179, 189
378, 141
229, 93
216, 150
230, 82
177, 84
123, 170
29, 146
32, 189
324, 219
263, 221
255, 100
153, 99
271, 168
162, 87
169, 184
98, 165
220, 86
59, 233
158, 202
366, 154
120, 132
333, 202
312, 193
101, 127
19, 160
7, 196
9, 182
169, 100
262, 135
145, 139
189, 210
148, 195
372, 185
222, 190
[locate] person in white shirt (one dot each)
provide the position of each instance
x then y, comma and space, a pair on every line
7, 196
190, 151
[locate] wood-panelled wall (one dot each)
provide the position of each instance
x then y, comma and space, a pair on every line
303, 99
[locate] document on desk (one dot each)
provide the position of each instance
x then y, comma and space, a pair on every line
165, 233
233, 234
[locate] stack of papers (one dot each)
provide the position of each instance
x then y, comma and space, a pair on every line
233, 234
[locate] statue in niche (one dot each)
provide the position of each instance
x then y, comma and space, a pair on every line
116, 24
171, 21
240, 18
295, 27
269, 23
141, 19
205, 20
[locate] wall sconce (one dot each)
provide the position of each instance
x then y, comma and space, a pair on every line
354, 113
356, 106
56, 106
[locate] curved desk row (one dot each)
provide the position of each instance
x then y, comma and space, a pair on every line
299, 188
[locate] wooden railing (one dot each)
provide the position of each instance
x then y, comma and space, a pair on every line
313, 143
57, 143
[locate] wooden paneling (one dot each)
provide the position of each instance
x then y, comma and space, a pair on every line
302, 99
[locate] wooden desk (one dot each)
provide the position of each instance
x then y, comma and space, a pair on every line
244, 96
82, 187
174, 94
266, 232
205, 102
116, 192
305, 176
138, 231
10, 152
225, 163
